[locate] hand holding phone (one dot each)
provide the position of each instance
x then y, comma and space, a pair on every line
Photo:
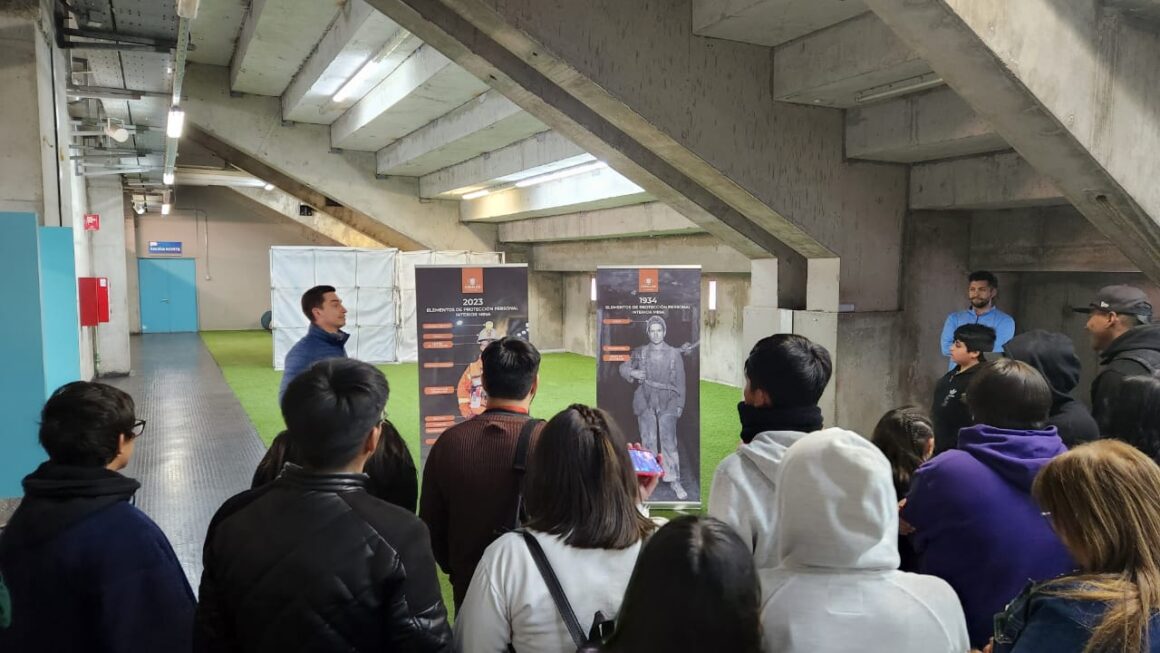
644, 462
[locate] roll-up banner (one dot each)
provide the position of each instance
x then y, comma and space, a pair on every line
460, 309
648, 368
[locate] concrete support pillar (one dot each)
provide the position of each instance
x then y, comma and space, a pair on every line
107, 199
762, 317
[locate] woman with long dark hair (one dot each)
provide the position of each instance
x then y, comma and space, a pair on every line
1103, 499
582, 499
694, 589
1133, 415
906, 437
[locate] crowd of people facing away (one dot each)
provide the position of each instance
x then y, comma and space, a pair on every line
1004, 534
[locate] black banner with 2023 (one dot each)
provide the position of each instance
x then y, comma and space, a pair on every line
648, 322
459, 310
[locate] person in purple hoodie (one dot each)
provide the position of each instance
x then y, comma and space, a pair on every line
975, 524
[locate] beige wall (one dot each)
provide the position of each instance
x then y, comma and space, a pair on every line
546, 309
230, 238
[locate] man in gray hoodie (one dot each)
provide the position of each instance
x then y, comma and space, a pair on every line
785, 375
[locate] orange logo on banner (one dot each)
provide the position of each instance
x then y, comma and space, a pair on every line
649, 280
472, 281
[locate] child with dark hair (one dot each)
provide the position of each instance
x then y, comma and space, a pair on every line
906, 437
390, 470
949, 411
85, 570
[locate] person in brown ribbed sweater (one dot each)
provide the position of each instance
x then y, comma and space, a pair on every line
470, 489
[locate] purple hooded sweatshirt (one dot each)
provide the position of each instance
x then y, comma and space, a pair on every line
976, 525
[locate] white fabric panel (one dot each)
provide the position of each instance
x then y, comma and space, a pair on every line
484, 258
377, 344
375, 268
335, 266
284, 339
352, 343
406, 266
286, 308
291, 267
407, 349
448, 258
376, 307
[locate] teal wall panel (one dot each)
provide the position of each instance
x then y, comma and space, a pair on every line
21, 350
58, 308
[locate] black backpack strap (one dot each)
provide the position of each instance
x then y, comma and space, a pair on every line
554, 588
520, 466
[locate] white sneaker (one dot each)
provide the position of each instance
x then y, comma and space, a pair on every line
679, 491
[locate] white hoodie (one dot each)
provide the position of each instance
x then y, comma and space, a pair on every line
838, 587
744, 489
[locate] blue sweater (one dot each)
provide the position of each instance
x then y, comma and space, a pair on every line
316, 345
86, 571
1003, 324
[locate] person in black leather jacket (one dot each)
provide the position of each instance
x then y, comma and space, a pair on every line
312, 561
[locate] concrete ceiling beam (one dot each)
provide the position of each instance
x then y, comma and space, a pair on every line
925, 127
248, 132
1073, 86
354, 39
769, 22
486, 123
852, 63
543, 149
425, 86
998, 181
597, 189
704, 250
651, 219
276, 38
320, 221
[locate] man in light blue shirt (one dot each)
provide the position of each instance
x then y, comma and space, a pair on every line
981, 291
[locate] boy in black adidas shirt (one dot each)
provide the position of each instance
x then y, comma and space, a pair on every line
949, 411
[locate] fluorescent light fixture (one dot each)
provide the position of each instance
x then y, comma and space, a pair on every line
901, 87
166, 208
139, 208
561, 174
593, 293
474, 195
712, 295
347, 91
167, 178
371, 67
118, 133
187, 9
268, 186
176, 123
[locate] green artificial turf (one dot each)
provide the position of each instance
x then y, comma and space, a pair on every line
246, 359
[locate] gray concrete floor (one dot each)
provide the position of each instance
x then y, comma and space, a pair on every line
199, 447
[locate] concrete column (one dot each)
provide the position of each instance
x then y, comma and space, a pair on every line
107, 199
762, 317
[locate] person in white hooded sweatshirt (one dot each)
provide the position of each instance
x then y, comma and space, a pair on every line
838, 587
785, 376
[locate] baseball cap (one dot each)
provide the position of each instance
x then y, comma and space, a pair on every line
1120, 299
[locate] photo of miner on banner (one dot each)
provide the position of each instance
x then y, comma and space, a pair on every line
655, 394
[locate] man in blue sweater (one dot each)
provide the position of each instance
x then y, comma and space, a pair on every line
981, 291
82, 569
325, 338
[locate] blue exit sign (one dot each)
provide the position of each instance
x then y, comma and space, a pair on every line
165, 247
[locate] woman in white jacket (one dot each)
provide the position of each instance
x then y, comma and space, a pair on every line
838, 587
582, 497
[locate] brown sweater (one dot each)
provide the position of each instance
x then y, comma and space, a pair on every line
470, 491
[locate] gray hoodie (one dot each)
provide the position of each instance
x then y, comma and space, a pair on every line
743, 493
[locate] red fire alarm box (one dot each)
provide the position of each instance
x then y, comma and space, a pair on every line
93, 300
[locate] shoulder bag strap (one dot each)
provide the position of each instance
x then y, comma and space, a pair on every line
554, 588
520, 466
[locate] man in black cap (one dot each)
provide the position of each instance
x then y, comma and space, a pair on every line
1120, 324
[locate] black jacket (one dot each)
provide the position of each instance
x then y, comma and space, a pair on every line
948, 411
312, 562
1053, 354
1136, 353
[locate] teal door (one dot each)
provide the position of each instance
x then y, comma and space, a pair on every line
168, 288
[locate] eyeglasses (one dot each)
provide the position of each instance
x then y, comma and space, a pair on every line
138, 428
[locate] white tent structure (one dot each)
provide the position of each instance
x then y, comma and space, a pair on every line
377, 286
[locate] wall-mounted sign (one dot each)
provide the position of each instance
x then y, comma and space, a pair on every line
165, 247
92, 222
